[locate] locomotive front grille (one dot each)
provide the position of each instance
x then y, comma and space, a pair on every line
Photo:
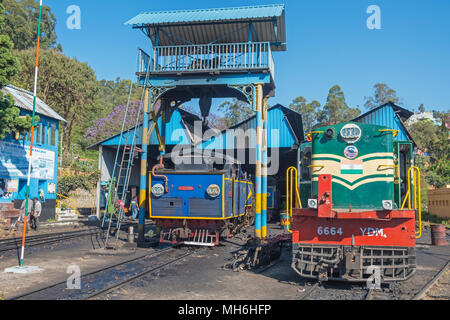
167, 207
205, 208
348, 263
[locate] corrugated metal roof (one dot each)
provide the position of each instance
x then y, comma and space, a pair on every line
284, 129
391, 116
179, 130
24, 99
204, 26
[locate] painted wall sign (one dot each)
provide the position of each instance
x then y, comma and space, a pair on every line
14, 160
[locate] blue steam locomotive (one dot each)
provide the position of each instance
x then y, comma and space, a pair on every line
200, 199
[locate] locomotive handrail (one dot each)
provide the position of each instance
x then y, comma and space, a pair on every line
289, 172
394, 132
417, 196
394, 166
316, 166
309, 134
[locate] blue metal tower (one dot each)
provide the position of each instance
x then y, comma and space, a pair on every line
204, 54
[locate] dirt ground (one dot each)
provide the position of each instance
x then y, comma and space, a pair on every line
198, 277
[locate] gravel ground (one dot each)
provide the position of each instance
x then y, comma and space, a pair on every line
201, 276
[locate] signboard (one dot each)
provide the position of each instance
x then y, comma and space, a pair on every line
14, 159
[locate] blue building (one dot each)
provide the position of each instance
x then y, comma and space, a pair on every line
183, 129
14, 157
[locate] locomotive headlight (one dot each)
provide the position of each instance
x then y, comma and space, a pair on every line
213, 191
387, 204
312, 203
158, 190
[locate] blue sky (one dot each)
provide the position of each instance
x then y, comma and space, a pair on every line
328, 43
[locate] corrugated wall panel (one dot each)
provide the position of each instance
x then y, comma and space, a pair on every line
386, 117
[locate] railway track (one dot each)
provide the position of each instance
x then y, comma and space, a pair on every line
49, 238
104, 280
31, 241
425, 292
339, 290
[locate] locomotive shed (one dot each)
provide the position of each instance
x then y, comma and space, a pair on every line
355, 205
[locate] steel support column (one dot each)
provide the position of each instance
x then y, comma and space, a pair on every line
264, 172
143, 178
259, 142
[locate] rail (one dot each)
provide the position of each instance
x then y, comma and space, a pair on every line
291, 173
415, 173
208, 58
73, 204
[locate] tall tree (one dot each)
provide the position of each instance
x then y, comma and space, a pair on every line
21, 22
10, 119
66, 85
336, 109
309, 111
382, 95
236, 111
9, 65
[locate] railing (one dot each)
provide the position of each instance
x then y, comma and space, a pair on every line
73, 204
208, 58
291, 183
414, 172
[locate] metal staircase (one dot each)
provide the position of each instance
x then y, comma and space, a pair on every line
127, 152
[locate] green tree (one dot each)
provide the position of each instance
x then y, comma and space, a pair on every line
382, 95
9, 65
421, 108
434, 140
336, 109
10, 119
424, 133
21, 24
65, 84
236, 111
309, 111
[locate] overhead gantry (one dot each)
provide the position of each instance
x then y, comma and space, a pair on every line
205, 54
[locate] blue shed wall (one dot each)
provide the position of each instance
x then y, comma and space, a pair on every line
175, 129
386, 117
279, 133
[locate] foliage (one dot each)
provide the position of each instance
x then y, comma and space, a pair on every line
428, 218
382, 95
336, 109
112, 124
10, 119
9, 66
434, 140
69, 183
21, 24
309, 111
112, 94
68, 86
236, 111
424, 133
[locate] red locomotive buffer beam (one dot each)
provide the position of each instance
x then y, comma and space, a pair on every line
359, 228
397, 229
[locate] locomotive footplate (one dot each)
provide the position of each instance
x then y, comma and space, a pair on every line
197, 233
353, 263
